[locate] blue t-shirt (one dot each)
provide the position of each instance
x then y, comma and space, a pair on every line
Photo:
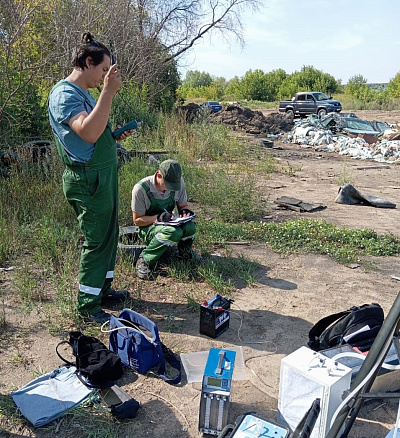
66, 101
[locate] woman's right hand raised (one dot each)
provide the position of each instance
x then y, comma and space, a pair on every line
112, 80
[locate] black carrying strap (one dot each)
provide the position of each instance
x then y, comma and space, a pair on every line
80, 376
59, 355
76, 364
322, 325
68, 363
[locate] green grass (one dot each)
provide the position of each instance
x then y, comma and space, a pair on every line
350, 103
258, 104
216, 272
9, 416
40, 236
344, 245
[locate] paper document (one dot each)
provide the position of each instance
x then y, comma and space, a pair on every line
362, 329
177, 221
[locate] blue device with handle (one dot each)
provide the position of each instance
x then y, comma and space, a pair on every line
133, 124
216, 391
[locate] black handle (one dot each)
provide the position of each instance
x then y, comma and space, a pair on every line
225, 430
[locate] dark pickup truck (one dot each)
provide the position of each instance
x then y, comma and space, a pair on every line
310, 102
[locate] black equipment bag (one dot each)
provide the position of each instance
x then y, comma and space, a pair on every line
94, 360
331, 330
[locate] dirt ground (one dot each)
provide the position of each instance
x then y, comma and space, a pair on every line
269, 320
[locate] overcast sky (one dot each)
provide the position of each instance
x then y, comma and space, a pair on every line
341, 37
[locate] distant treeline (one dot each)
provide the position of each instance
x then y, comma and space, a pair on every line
277, 85
378, 86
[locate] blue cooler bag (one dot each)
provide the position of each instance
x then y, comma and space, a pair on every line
136, 340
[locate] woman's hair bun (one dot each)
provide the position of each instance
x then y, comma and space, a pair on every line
87, 38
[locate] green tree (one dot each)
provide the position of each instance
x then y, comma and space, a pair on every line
393, 89
149, 37
288, 88
219, 83
196, 78
358, 88
232, 88
257, 85
23, 61
252, 85
272, 83
308, 79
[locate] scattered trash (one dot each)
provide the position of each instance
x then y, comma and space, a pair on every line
347, 136
298, 204
350, 195
265, 142
375, 167
344, 134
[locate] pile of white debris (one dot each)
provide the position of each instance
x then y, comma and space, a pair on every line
311, 133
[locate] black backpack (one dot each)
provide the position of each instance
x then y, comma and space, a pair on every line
333, 329
94, 360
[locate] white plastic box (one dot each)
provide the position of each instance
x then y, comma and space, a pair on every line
306, 375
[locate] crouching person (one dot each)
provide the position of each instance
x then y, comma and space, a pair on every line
153, 200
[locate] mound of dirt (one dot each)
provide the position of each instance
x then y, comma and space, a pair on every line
253, 122
278, 123
237, 116
189, 111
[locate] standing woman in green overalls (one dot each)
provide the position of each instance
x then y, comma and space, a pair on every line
85, 143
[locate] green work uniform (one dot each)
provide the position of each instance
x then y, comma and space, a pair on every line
92, 191
159, 238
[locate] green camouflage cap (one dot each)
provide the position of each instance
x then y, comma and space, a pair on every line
171, 172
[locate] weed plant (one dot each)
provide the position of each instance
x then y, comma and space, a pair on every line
6, 240
346, 177
39, 232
